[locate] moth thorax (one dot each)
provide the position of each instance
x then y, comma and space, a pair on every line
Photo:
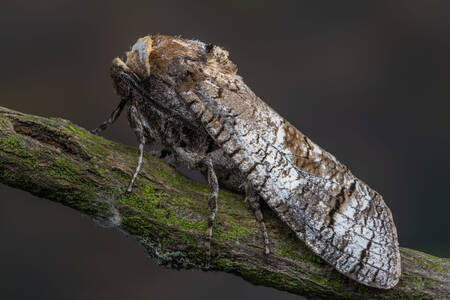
138, 58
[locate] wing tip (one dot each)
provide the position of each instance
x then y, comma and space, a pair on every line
384, 279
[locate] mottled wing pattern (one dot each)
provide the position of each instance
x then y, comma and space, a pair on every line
339, 217
342, 219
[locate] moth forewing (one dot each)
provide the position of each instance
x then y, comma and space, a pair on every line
352, 231
338, 216
342, 219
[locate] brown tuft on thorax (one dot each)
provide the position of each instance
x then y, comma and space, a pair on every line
218, 58
168, 48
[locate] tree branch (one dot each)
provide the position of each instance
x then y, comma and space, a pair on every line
167, 213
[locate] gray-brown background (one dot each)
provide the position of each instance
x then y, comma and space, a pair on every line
368, 82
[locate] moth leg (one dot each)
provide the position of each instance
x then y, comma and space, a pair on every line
114, 115
138, 168
213, 186
138, 128
253, 198
194, 160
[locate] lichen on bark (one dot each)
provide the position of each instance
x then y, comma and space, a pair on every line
167, 213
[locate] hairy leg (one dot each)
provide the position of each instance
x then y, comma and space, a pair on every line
138, 128
195, 160
114, 115
253, 199
213, 186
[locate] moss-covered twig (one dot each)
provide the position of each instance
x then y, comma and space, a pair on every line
167, 213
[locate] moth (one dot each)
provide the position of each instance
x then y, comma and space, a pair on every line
186, 98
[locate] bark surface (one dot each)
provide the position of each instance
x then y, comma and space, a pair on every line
168, 213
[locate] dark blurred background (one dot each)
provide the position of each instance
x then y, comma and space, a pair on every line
366, 80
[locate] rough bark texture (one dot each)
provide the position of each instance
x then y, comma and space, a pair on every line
167, 213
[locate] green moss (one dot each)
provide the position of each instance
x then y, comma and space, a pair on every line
12, 144
234, 232
184, 201
229, 205
289, 252
78, 130
240, 231
149, 206
401, 296
437, 259
98, 148
312, 258
335, 284
80, 198
224, 265
262, 276
434, 266
120, 175
101, 172
230, 200
428, 283
158, 206
73, 173
85, 203
188, 225
96, 145
173, 259
136, 225
338, 286
300, 253
177, 211
416, 280
171, 211
4, 124
149, 193
318, 280
177, 180
188, 238
62, 168
430, 262
14, 179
